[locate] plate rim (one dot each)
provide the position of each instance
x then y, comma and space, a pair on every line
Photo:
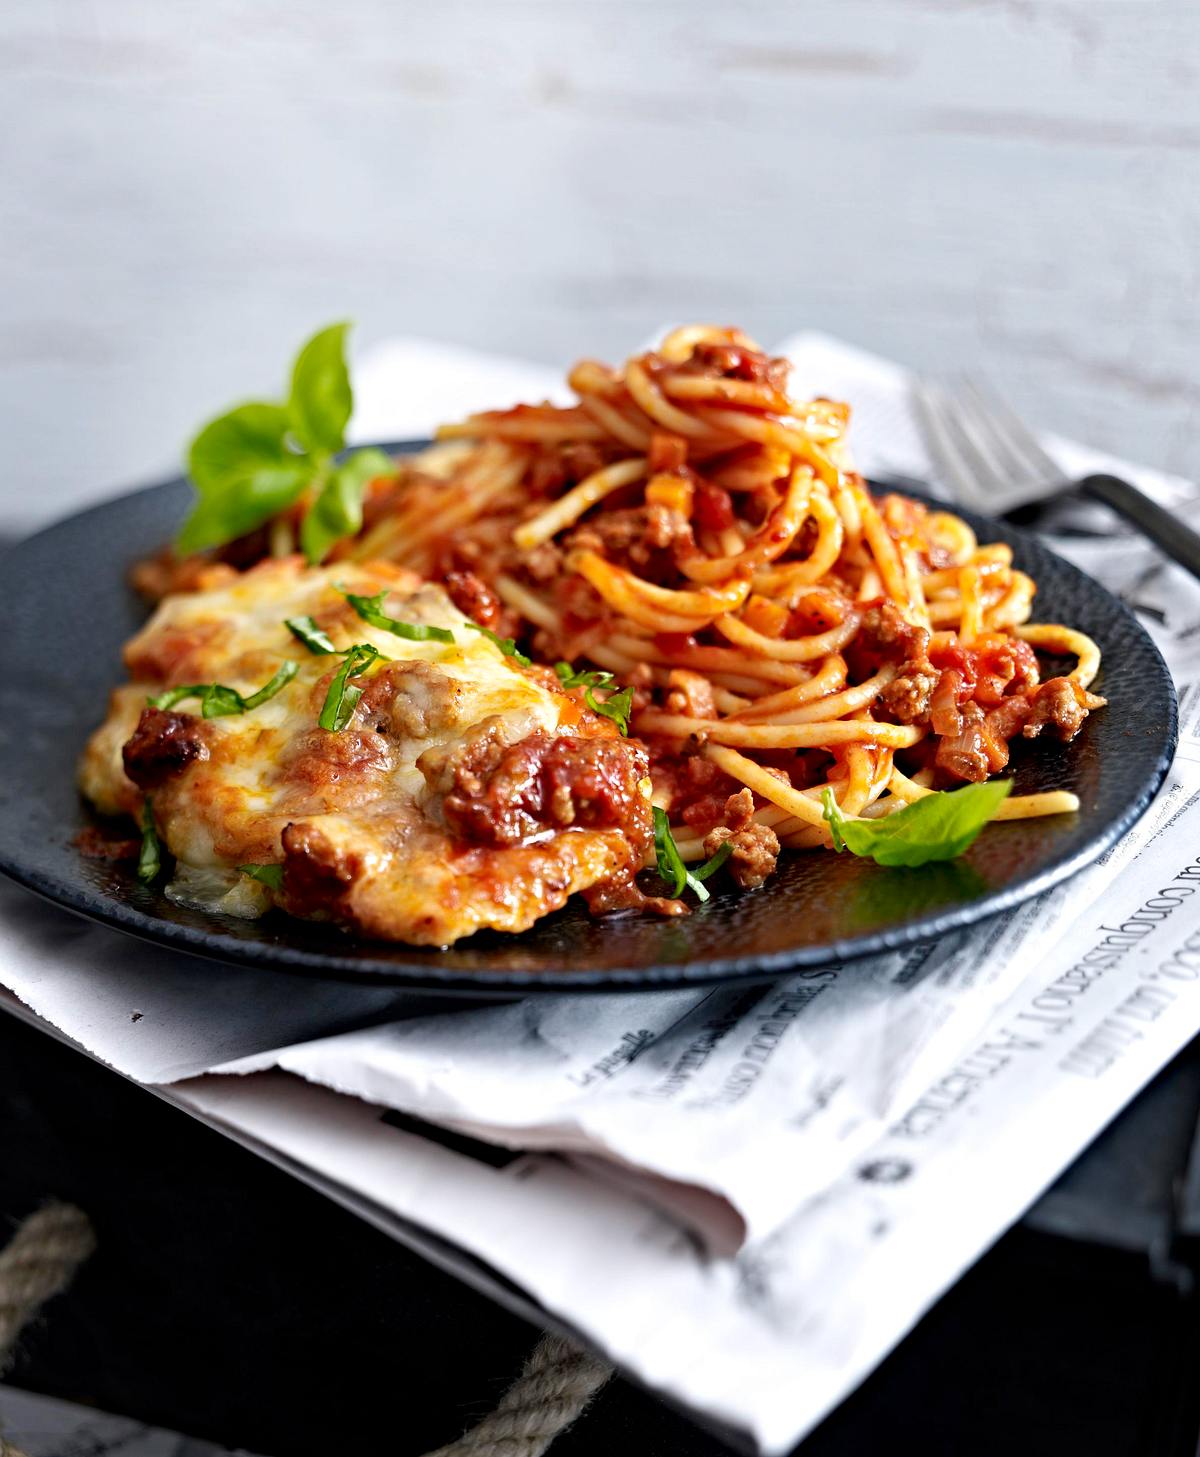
216, 945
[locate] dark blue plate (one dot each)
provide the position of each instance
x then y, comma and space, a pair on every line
68, 610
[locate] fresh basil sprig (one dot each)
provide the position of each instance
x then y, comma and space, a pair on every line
370, 609
315, 639
256, 459
150, 856
619, 704
218, 700
270, 875
670, 862
934, 827
342, 695
507, 645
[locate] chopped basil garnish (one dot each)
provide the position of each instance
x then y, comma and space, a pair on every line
670, 862
571, 677
714, 862
507, 645
370, 609
150, 857
218, 700
271, 875
934, 827
343, 695
313, 638
617, 706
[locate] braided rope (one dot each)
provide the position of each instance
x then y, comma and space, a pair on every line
40, 1260
555, 1385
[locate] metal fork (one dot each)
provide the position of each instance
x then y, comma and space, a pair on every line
994, 462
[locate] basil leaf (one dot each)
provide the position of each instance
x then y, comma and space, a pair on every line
287, 671
314, 638
218, 700
337, 511
714, 862
244, 473
618, 707
342, 696
169, 697
935, 827
150, 857
271, 875
507, 645
670, 862
370, 609
570, 677
320, 401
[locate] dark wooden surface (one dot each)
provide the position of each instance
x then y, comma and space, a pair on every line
228, 1301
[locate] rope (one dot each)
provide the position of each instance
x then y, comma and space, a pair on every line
556, 1384
41, 1259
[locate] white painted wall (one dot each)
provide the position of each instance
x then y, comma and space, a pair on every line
188, 186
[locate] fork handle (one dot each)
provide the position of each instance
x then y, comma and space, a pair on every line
1168, 532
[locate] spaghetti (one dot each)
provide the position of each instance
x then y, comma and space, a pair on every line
694, 530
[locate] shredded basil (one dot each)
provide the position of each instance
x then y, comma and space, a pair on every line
935, 827
270, 875
370, 609
507, 645
150, 856
571, 677
218, 700
313, 638
670, 862
343, 696
617, 706
714, 862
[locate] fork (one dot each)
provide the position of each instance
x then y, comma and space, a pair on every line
994, 462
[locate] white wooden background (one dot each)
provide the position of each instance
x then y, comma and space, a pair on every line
188, 186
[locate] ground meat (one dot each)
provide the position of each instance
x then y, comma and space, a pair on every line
317, 874
324, 772
163, 745
507, 794
158, 575
544, 562
634, 534
473, 598
408, 700
733, 361
755, 852
886, 636
907, 697
1057, 704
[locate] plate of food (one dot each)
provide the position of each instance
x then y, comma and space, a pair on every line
647, 690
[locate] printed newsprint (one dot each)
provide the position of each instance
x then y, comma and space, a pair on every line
744, 1195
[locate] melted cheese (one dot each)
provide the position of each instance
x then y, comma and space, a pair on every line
357, 814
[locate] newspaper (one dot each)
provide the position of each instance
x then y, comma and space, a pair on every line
721, 1188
